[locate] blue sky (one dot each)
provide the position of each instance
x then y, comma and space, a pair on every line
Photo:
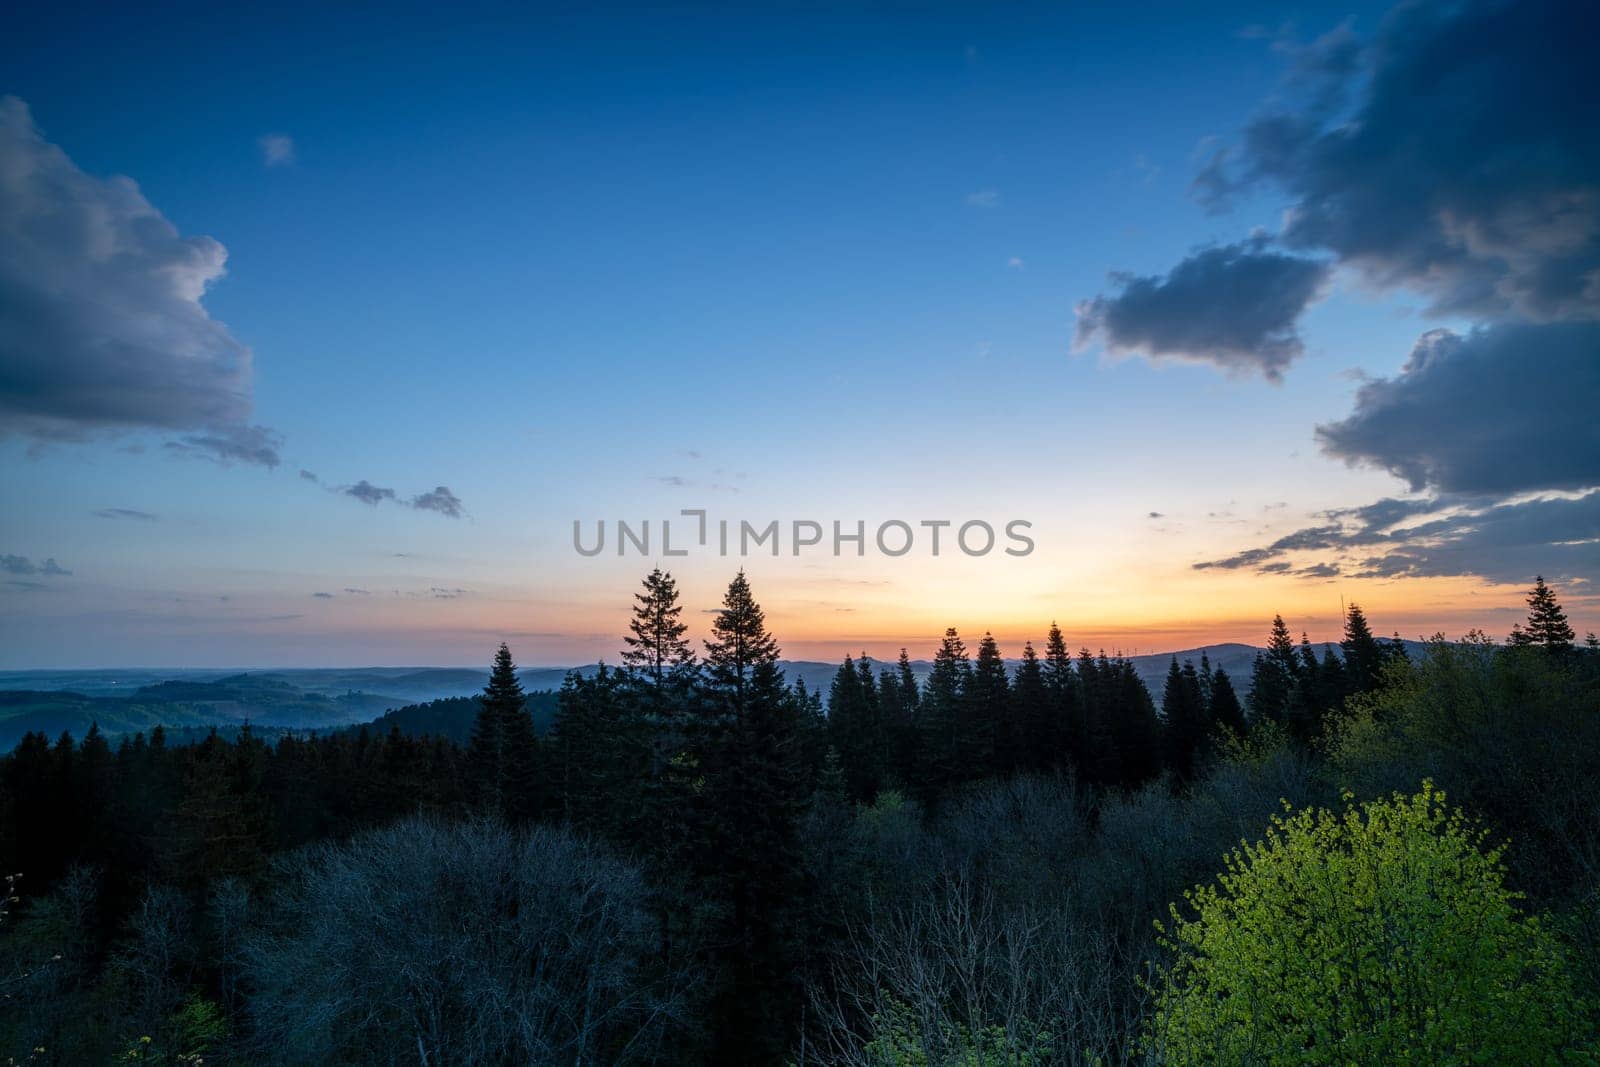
787, 262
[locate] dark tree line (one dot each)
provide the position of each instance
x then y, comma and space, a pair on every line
706, 771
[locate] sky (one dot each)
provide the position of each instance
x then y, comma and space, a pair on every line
320, 329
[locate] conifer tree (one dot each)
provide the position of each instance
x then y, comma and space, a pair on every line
939, 718
755, 794
1547, 622
600, 754
986, 706
1274, 675
1135, 728
1032, 741
1101, 764
855, 729
1225, 710
741, 665
907, 682
503, 756
1184, 709
1069, 731
1363, 658
656, 644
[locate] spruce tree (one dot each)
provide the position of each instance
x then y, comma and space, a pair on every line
940, 717
898, 696
741, 665
1032, 742
1135, 728
1184, 708
1547, 622
986, 736
855, 729
656, 644
755, 794
1102, 763
1363, 658
1274, 675
503, 755
1225, 709
1069, 730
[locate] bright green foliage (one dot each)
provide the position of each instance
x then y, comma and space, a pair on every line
898, 1041
1382, 935
196, 1029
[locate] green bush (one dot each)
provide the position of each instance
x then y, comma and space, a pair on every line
898, 1041
1382, 935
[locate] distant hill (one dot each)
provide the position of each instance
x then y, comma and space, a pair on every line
264, 701
415, 698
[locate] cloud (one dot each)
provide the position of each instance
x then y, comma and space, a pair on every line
1503, 409
1456, 173
124, 513
234, 444
1558, 537
308, 476
1157, 515
1500, 541
23, 565
1016, 263
1233, 306
367, 493
102, 329
441, 499
357, 592
323, 596
984, 198
277, 149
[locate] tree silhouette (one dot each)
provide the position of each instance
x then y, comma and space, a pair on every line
1547, 622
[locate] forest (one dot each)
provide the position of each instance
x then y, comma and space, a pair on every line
1366, 856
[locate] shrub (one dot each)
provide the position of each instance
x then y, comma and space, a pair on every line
1382, 935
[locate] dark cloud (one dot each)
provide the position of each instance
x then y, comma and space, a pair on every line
1503, 409
357, 592
125, 513
1383, 514
23, 565
1157, 515
1558, 536
231, 444
1468, 169
368, 493
308, 476
1456, 155
441, 499
1233, 306
101, 323
323, 596
1311, 538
